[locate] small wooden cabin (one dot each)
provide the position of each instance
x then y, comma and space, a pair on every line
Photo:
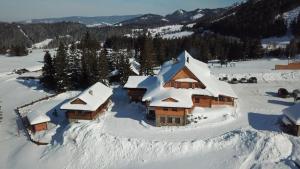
38, 121
290, 66
89, 104
291, 119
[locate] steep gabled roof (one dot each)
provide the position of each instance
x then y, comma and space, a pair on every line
199, 69
94, 97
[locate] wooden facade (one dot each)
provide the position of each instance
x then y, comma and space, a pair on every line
75, 115
182, 74
165, 116
40, 127
209, 101
290, 66
136, 95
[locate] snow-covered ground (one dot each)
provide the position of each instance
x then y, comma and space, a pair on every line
123, 139
166, 32
42, 44
32, 60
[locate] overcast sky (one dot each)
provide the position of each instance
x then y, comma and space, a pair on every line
16, 10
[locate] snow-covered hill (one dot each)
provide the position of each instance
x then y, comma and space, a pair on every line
291, 15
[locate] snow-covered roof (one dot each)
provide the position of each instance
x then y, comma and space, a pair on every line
293, 113
142, 82
200, 70
35, 117
183, 97
92, 97
156, 92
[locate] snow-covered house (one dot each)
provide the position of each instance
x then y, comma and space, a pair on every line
181, 85
291, 119
38, 121
89, 104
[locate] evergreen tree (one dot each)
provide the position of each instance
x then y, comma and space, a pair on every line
61, 72
124, 69
74, 67
48, 70
103, 66
90, 70
147, 58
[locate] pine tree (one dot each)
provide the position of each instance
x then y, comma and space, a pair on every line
147, 58
103, 66
61, 75
48, 79
74, 67
124, 69
90, 70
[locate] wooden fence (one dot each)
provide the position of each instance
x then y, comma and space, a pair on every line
24, 123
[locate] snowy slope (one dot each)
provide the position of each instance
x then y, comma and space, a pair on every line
42, 44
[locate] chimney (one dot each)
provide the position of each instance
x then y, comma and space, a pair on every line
91, 92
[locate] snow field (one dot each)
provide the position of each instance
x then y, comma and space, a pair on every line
122, 139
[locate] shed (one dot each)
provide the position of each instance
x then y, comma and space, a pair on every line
292, 119
38, 121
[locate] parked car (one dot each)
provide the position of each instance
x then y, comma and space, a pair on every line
295, 92
223, 78
243, 80
283, 93
296, 95
252, 80
20, 71
234, 81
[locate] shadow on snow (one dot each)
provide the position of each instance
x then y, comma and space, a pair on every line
264, 122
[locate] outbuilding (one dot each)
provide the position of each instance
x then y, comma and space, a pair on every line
89, 104
291, 119
38, 121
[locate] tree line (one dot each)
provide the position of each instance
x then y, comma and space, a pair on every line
151, 52
80, 65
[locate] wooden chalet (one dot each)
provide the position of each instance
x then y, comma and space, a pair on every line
89, 104
290, 66
291, 119
182, 84
37, 121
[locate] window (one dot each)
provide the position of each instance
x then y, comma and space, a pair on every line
162, 120
177, 120
191, 85
174, 109
170, 119
165, 109
222, 98
197, 100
